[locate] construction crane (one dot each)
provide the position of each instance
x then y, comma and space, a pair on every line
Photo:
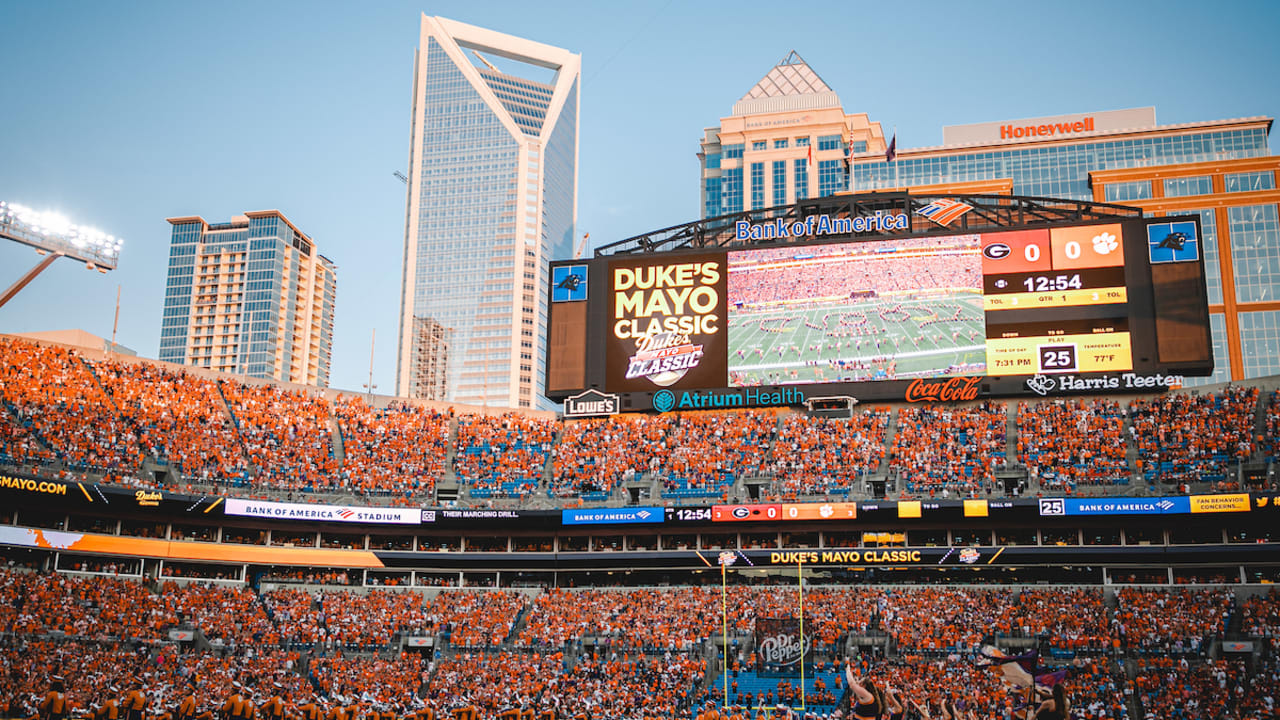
401, 177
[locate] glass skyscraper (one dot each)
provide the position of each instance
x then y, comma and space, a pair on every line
492, 197
251, 297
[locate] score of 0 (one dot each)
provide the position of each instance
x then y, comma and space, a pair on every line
1031, 251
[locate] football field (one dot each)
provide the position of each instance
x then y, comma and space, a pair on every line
886, 338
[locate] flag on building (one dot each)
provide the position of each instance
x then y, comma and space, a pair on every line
892, 152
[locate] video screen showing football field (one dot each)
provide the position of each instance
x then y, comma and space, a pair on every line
880, 310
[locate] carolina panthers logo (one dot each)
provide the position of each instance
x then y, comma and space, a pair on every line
568, 283
1174, 241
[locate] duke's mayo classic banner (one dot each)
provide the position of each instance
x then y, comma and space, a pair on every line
667, 322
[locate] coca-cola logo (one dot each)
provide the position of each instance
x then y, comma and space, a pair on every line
956, 389
782, 649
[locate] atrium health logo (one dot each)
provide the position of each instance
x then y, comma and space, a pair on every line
664, 400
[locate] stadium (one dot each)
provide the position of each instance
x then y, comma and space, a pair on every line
183, 543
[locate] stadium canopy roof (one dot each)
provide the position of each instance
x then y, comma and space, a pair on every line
987, 213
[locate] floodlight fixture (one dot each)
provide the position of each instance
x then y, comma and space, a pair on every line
53, 232
54, 235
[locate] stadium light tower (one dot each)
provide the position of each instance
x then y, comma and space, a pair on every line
54, 236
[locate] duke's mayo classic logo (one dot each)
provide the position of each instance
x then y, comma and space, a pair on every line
668, 311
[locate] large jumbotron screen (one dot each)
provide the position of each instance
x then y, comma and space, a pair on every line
981, 313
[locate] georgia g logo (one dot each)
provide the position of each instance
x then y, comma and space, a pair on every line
996, 251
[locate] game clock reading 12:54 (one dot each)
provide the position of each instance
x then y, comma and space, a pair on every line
1055, 301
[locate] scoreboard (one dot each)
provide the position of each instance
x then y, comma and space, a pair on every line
951, 317
1071, 284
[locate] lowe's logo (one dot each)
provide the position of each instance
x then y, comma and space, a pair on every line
591, 403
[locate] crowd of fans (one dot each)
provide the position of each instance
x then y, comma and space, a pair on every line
933, 619
1273, 426
761, 277
1070, 443
286, 435
372, 618
1172, 689
1098, 690
179, 417
1260, 616
225, 614
1185, 437
625, 620
475, 619
814, 456
52, 393
99, 675
950, 451
399, 450
497, 650
1070, 619
1177, 621
376, 679
63, 412
628, 620
505, 453
712, 449
596, 454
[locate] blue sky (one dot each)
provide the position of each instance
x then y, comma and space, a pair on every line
122, 114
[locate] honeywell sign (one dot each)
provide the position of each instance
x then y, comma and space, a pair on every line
1048, 128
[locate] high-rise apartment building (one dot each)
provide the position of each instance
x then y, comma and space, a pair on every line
252, 297
492, 197
1221, 170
